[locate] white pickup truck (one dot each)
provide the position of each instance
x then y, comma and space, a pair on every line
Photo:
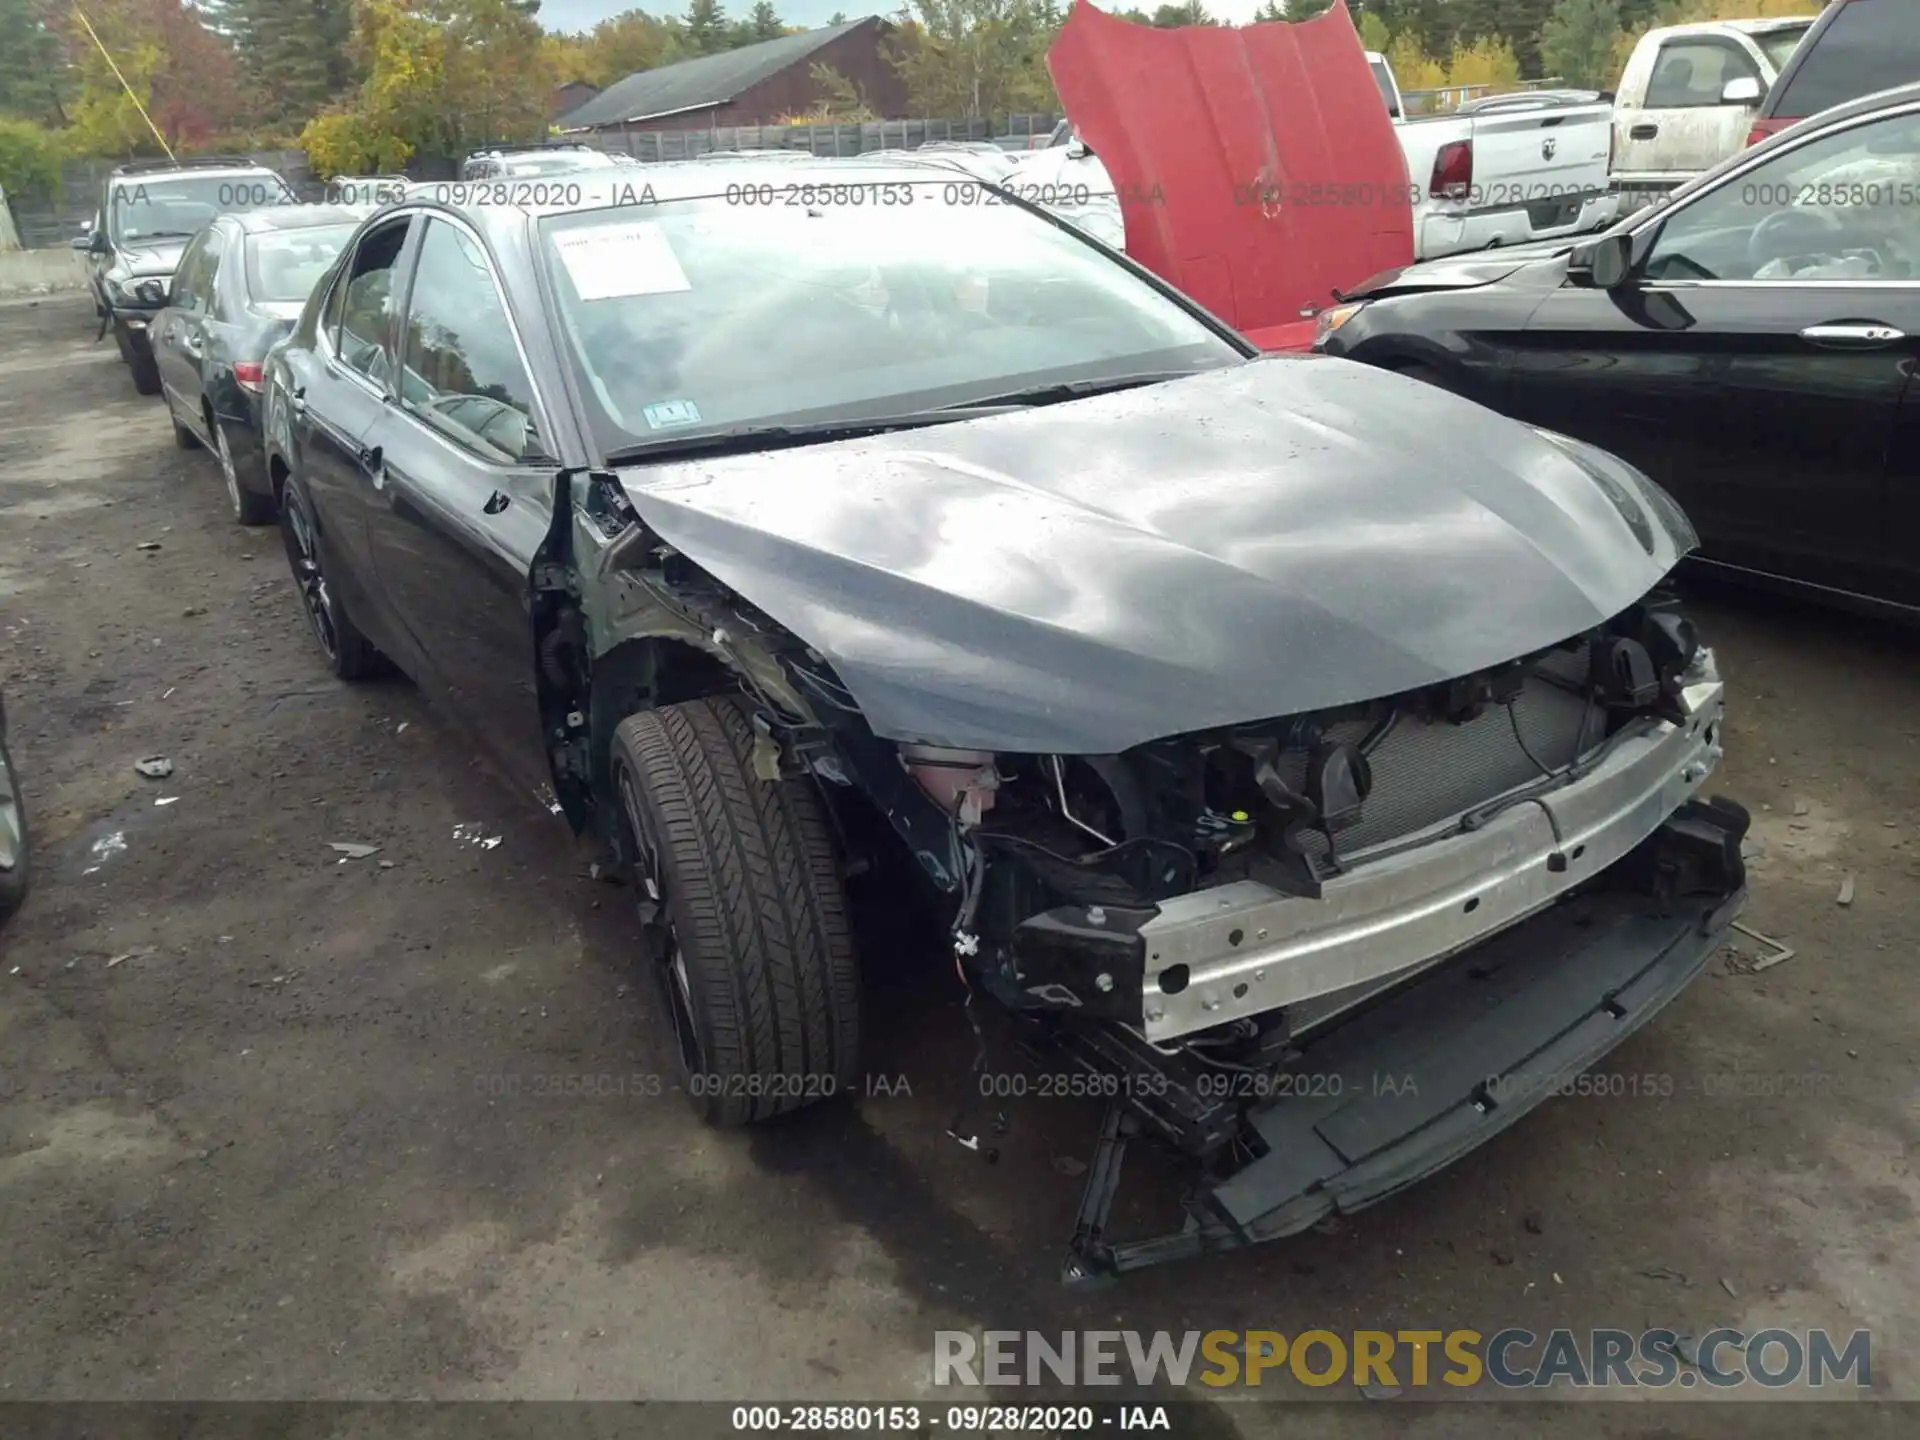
1502, 170
1688, 95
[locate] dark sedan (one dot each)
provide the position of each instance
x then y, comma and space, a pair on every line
239, 289
1750, 343
896, 530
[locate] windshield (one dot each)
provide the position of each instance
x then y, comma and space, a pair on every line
179, 206
1779, 44
284, 265
696, 316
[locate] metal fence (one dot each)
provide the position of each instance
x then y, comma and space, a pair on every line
44, 224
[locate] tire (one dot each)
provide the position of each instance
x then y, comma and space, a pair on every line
348, 653
13, 882
751, 950
247, 507
123, 344
183, 438
146, 374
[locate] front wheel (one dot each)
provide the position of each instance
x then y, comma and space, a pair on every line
349, 654
743, 918
146, 373
248, 507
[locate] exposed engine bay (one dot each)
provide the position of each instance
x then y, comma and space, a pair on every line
1191, 921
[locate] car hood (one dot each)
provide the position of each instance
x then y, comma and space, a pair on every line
1278, 536
1460, 272
1255, 166
160, 257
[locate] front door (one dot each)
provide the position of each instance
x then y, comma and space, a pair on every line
466, 498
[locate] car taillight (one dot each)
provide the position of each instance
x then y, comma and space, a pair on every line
1452, 177
1763, 128
248, 375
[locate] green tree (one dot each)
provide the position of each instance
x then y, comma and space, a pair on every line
34, 80
1374, 34
1272, 10
29, 159
973, 59
1173, 17
706, 26
765, 23
1577, 42
295, 54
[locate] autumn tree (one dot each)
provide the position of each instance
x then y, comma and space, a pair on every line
1173, 17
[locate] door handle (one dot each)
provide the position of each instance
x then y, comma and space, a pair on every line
1861, 336
496, 502
297, 401
1643, 132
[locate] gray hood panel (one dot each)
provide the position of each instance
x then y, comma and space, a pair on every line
1280, 536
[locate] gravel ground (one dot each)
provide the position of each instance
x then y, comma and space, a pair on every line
278, 1124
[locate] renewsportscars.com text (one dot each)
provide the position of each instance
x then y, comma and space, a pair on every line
1513, 1358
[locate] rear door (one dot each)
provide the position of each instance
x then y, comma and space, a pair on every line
464, 496
341, 399
1683, 125
1756, 361
178, 334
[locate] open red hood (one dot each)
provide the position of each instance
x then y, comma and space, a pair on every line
1257, 169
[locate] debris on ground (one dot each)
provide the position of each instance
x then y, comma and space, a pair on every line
1067, 1165
1375, 1391
474, 835
1531, 1224
139, 952
1501, 1257
350, 850
1800, 807
148, 545
1665, 1272
1779, 956
1846, 890
166, 800
1727, 1285
154, 767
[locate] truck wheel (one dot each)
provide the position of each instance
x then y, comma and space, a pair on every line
743, 918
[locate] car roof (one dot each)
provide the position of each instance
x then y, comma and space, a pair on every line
1745, 27
670, 180
198, 172
298, 217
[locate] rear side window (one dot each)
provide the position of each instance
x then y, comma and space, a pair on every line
1867, 45
1690, 74
1384, 79
1779, 45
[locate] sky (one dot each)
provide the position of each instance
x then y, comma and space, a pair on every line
571, 15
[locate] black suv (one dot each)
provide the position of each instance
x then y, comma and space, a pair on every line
149, 210
1855, 48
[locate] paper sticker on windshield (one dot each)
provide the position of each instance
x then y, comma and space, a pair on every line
671, 412
612, 261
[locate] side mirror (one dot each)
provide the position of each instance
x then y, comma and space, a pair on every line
82, 243
1605, 262
98, 244
1745, 90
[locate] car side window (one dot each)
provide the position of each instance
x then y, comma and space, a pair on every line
205, 285
185, 293
1843, 207
1692, 73
462, 372
360, 311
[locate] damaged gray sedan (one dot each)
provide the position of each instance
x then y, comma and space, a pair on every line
1257, 728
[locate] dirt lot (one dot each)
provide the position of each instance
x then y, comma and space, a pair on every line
278, 1124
